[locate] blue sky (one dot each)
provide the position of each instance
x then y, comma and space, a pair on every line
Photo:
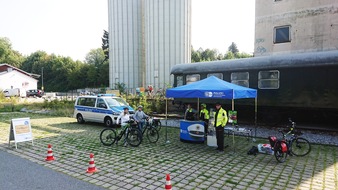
73, 27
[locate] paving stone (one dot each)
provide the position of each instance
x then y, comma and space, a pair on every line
204, 169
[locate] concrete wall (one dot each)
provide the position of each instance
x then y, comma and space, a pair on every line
147, 37
125, 42
167, 38
314, 25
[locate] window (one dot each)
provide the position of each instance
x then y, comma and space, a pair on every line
87, 102
268, 80
179, 80
218, 75
192, 78
240, 78
282, 34
101, 103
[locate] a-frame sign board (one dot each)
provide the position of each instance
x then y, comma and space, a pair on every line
20, 131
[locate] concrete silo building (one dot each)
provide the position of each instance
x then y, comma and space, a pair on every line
147, 38
285, 26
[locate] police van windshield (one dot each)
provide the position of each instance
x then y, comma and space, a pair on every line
116, 102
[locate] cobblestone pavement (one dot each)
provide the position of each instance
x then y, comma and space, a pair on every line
191, 166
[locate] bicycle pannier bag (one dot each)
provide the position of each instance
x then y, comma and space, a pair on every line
272, 140
284, 147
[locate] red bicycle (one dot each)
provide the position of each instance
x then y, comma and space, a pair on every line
291, 144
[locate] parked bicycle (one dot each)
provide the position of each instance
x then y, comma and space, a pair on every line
131, 135
155, 122
152, 132
290, 144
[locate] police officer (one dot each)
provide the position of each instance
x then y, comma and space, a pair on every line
189, 113
204, 116
221, 119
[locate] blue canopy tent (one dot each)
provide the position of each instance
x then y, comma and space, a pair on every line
213, 87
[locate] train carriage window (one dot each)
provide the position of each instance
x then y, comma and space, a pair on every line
218, 75
268, 79
179, 80
240, 78
192, 78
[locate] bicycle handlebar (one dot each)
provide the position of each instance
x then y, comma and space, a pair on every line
291, 128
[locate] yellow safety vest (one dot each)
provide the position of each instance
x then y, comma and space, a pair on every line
222, 118
206, 113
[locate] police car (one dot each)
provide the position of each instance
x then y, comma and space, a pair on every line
103, 108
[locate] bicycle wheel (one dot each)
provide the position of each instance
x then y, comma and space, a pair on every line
279, 154
300, 147
134, 137
157, 125
152, 134
108, 137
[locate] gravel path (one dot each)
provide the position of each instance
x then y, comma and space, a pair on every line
264, 132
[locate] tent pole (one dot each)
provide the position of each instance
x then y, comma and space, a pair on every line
198, 108
233, 104
256, 116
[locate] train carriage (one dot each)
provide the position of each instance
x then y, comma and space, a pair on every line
303, 85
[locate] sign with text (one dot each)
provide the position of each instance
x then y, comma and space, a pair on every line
20, 131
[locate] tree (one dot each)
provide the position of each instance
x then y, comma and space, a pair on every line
229, 55
121, 87
195, 56
233, 48
105, 44
98, 73
8, 55
205, 55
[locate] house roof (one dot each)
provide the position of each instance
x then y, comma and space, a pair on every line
4, 69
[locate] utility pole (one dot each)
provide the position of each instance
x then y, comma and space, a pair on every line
42, 79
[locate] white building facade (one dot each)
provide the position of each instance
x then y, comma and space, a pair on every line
147, 38
289, 26
12, 77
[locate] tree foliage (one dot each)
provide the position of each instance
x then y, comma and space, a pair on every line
213, 54
105, 44
8, 55
233, 48
62, 74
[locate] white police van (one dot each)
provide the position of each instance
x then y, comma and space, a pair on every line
103, 108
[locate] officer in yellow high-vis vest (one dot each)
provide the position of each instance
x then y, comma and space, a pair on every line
204, 116
221, 120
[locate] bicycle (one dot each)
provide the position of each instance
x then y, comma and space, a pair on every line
291, 144
132, 135
152, 132
156, 123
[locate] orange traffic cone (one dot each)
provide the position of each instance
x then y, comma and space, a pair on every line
50, 156
91, 167
168, 183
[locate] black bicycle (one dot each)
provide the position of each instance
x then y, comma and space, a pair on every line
130, 133
152, 132
155, 122
291, 144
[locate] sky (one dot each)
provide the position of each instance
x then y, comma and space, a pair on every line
74, 27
